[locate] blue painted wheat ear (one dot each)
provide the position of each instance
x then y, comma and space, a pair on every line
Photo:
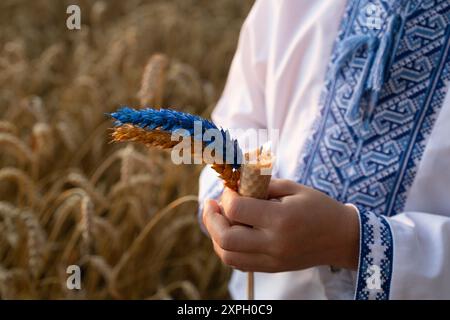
154, 128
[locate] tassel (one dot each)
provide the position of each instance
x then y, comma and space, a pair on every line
346, 49
382, 62
360, 87
374, 73
384, 54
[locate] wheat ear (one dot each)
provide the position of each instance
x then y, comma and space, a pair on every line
154, 80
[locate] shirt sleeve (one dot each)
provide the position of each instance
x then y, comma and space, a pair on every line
242, 104
403, 257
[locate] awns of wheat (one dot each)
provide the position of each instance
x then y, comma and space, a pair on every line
155, 127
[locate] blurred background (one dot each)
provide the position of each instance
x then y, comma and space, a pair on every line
124, 214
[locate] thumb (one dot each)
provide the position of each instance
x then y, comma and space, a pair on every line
211, 205
282, 187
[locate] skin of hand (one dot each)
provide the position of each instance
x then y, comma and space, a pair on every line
298, 228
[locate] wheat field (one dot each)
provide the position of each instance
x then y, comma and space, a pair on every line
124, 214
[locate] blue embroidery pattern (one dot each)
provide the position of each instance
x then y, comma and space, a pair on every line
375, 258
371, 160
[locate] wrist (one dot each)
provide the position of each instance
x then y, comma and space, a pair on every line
347, 239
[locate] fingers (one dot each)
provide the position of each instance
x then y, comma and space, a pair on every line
282, 187
246, 261
209, 207
249, 211
233, 237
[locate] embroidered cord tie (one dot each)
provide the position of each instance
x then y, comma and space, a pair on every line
373, 76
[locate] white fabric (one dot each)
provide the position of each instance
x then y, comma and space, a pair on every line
274, 82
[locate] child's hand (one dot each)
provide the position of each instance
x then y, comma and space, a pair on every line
301, 229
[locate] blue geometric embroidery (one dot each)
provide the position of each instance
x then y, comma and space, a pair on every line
370, 157
408, 105
375, 257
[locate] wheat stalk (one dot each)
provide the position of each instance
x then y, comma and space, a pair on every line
20, 150
142, 236
154, 80
42, 142
36, 242
82, 182
87, 212
126, 168
53, 135
25, 183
